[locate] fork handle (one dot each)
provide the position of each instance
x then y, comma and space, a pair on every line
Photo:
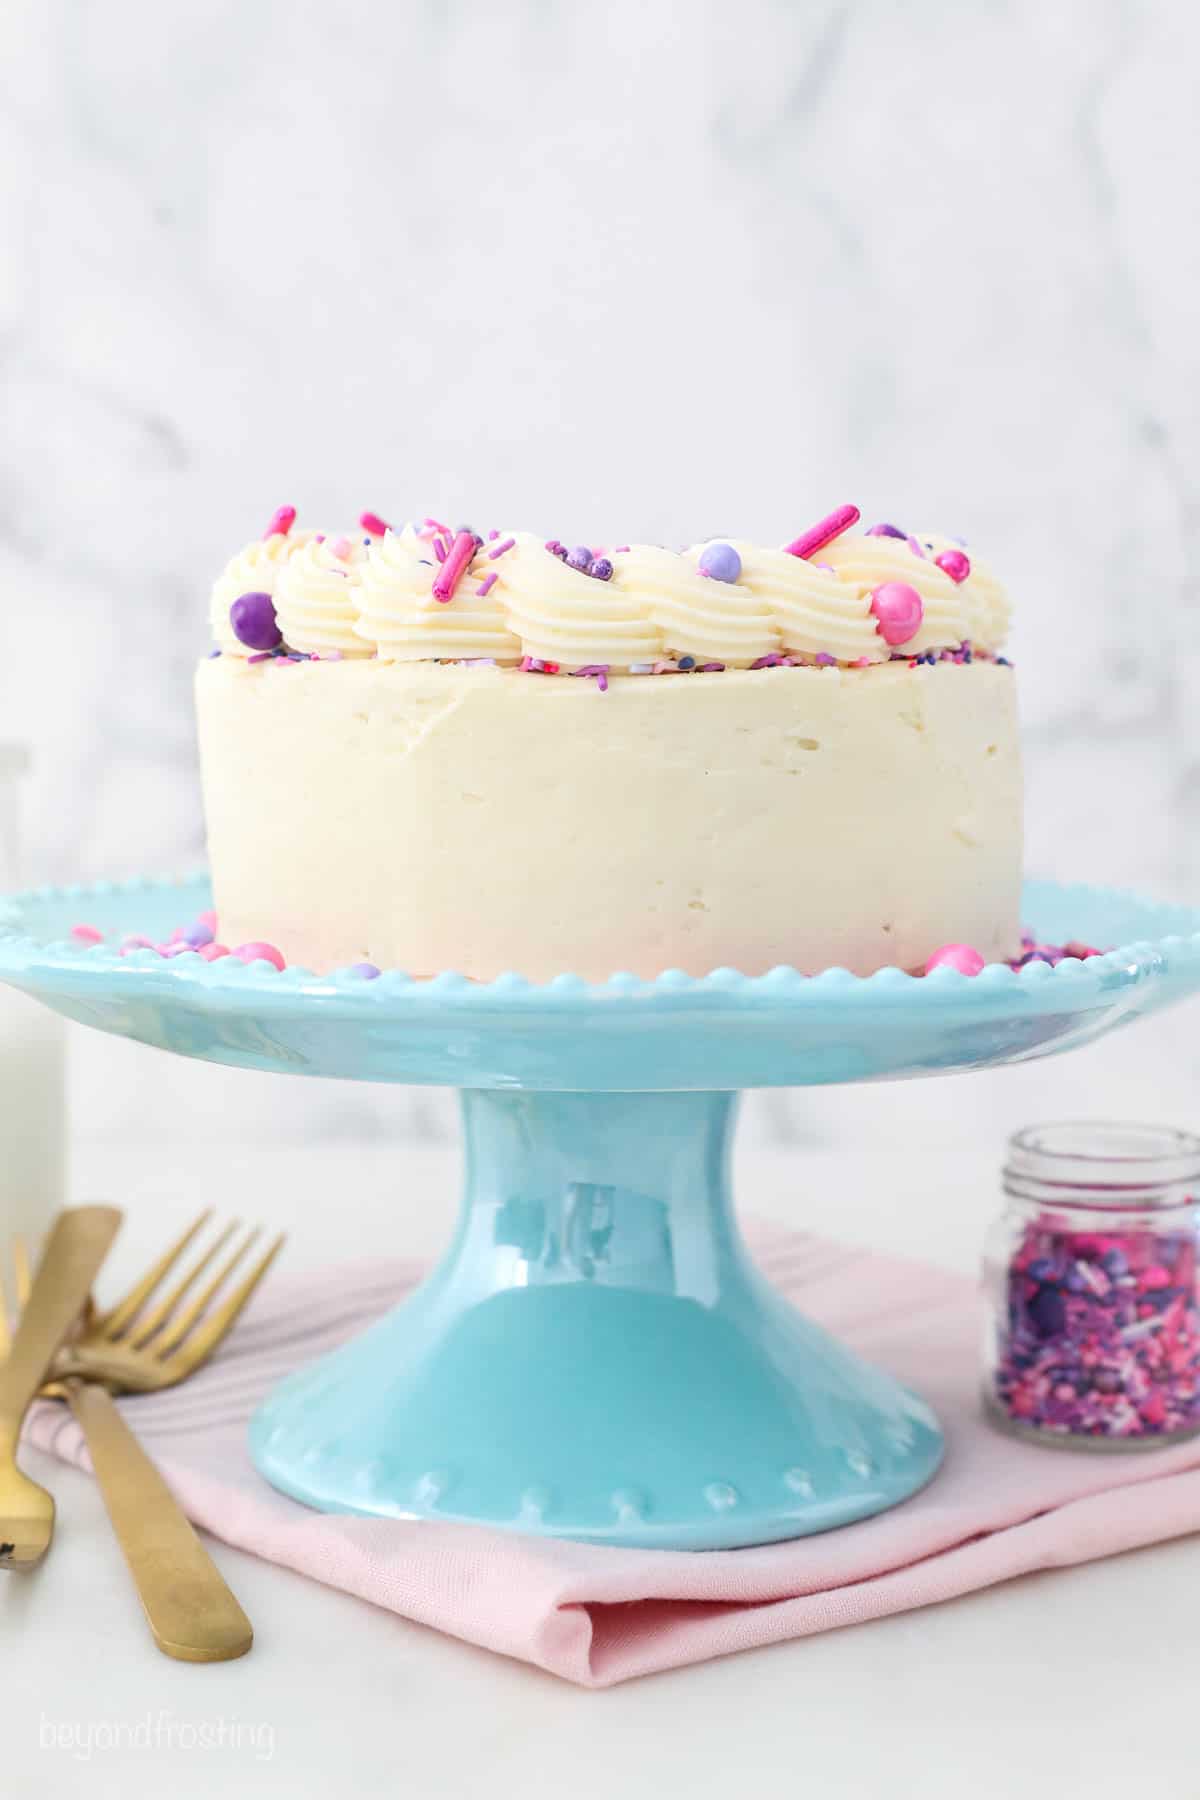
191, 1611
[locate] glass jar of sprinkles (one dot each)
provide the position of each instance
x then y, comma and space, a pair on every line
1090, 1277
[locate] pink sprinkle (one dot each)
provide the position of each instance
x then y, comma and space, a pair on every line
259, 952
282, 520
333, 656
488, 583
956, 956
341, 547
916, 549
372, 523
621, 550
87, 934
899, 612
461, 553
213, 952
499, 549
954, 564
263, 656
439, 549
492, 536
818, 536
825, 661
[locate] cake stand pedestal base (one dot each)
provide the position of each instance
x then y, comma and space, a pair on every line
597, 1357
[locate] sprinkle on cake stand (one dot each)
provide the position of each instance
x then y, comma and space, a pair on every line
596, 1357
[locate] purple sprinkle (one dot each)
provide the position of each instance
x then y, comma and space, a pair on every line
825, 661
488, 583
886, 531
916, 549
213, 654
252, 620
499, 549
720, 562
439, 549
601, 569
263, 656
767, 662
711, 669
492, 536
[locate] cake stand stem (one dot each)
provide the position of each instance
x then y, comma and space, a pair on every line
597, 1357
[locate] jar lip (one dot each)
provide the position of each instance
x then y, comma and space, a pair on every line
1105, 1153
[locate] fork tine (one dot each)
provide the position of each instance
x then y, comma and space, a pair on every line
111, 1324
21, 1271
177, 1327
196, 1348
144, 1328
21, 1285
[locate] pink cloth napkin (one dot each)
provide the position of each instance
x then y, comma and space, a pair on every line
598, 1616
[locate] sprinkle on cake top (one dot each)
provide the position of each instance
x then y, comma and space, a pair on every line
835, 596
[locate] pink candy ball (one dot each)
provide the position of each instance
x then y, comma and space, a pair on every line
87, 934
261, 953
956, 956
954, 563
898, 610
213, 952
209, 919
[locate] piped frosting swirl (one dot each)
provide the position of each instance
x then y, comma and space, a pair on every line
728, 603
254, 570
318, 597
402, 620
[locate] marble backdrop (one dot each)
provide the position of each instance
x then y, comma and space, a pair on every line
652, 269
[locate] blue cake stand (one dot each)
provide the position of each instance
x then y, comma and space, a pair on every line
596, 1357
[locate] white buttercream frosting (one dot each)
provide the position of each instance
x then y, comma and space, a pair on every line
318, 597
561, 615
519, 599
254, 570
402, 620
713, 621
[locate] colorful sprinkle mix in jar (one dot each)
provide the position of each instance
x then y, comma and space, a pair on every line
1094, 1311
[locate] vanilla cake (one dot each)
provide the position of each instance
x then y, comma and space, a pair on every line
426, 750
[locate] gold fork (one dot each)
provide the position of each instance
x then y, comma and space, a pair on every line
139, 1347
52, 1304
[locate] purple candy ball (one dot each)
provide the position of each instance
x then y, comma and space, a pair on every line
252, 617
601, 569
366, 971
720, 562
883, 530
579, 558
197, 935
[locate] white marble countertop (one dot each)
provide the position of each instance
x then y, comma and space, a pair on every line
1083, 1673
